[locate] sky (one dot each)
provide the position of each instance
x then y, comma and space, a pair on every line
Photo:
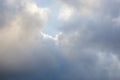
59, 39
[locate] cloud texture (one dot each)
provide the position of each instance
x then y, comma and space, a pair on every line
85, 48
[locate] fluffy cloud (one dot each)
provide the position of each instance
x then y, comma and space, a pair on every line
20, 25
99, 28
86, 48
65, 13
90, 39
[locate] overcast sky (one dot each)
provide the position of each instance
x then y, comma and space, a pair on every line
59, 39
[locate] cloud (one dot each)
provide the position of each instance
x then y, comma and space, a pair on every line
86, 48
20, 27
65, 13
97, 28
91, 32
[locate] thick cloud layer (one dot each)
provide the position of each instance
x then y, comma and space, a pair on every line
90, 36
20, 43
97, 27
86, 48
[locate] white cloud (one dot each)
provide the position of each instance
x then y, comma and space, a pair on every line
65, 13
23, 21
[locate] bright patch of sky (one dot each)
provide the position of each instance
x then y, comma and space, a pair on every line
53, 22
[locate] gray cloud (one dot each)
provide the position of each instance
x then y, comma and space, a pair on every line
95, 28
20, 43
92, 36
86, 49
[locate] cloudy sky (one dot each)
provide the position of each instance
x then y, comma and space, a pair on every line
59, 39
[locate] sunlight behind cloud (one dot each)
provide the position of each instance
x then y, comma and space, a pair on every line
65, 13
